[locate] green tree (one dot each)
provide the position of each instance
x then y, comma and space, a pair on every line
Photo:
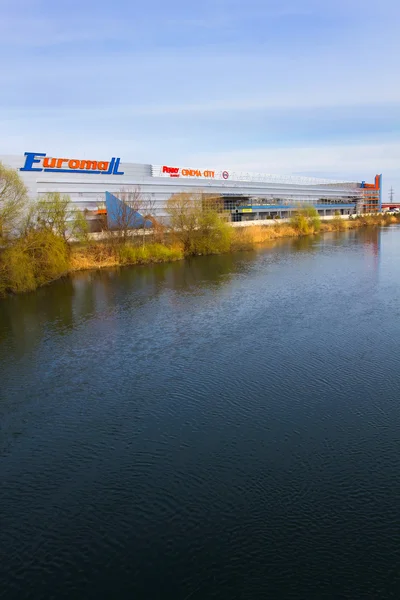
199, 223
214, 234
54, 212
79, 226
184, 210
13, 200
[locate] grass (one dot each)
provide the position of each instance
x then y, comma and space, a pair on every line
100, 255
245, 238
151, 253
96, 255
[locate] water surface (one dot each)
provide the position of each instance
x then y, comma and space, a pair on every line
226, 427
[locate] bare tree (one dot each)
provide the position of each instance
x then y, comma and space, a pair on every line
132, 213
148, 212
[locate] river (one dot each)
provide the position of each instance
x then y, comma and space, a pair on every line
227, 427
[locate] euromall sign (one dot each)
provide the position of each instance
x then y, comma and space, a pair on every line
37, 161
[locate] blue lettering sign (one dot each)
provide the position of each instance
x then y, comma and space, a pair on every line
56, 165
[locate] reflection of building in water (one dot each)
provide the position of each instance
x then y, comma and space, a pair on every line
376, 241
372, 244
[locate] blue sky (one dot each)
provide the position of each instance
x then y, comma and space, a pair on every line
281, 87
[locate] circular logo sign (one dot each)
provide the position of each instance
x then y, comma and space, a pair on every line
225, 174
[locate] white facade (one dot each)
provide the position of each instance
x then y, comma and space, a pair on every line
87, 187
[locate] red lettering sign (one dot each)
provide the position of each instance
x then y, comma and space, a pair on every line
176, 172
170, 170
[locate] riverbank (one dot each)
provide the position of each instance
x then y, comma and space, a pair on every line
42, 257
100, 254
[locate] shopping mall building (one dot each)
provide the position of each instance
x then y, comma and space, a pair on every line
247, 196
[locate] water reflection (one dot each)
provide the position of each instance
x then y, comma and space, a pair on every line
64, 305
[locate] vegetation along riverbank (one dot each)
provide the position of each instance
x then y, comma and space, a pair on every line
43, 240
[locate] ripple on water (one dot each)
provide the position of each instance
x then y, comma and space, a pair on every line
224, 428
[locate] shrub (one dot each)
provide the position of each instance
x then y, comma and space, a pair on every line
127, 254
17, 270
31, 261
316, 223
306, 220
388, 219
198, 223
50, 255
162, 253
214, 235
337, 223
243, 238
100, 251
133, 255
300, 223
